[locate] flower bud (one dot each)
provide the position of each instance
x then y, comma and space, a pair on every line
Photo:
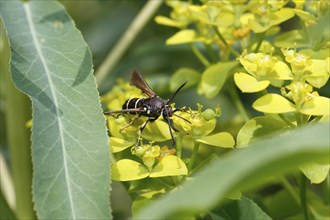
208, 114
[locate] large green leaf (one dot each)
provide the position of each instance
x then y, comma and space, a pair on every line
214, 78
51, 63
243, 169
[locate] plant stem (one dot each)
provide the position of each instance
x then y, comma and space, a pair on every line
164, 183
18, 112
286, 120
223, 40
126, 40
179, 146
193, 156
237, 101
316, 119
325, 188
211, 53
295, 196
303, 201
199, 55
260, 37
290, 190
299, 119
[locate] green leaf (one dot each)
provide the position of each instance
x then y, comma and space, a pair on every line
317, 105
157, 131
127, 170
262, 126
200, 128
281, 71
317, 81
316, 173
51, 63
118, 144
288, 38
169, 166
282, 205
274, 104
276, 18
252, 167
244, 209
169, 22
304, 15
247, 83
218, 17
222, 139
214, 77
322, 53
183, 74
318, 73
182, 37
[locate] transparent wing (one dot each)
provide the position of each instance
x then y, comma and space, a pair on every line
138, 81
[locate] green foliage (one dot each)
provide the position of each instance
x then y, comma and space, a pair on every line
260, 134
69, 142
240, 29
274, 156
153, 160
214, 78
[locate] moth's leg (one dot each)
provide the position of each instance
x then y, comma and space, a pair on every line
129, 124
140, 131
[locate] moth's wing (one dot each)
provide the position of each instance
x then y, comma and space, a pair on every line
138, 81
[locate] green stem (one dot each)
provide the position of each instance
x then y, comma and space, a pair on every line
326, 192
299, 119
262, 93
260, 38
199, 55
211, 53
237, 101
193, 156
295, 195
289, 189
316, 119
286, 120
6, 211
223, 40
18, 112
179, 146
164, 183
303, 200
126, 40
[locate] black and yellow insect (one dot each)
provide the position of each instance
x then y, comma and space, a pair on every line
152, 107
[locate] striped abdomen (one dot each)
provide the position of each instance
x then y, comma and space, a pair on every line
133, 103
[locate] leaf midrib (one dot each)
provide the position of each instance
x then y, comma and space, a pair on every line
32, 28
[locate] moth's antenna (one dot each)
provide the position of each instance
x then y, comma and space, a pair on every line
182, 118
176, 92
